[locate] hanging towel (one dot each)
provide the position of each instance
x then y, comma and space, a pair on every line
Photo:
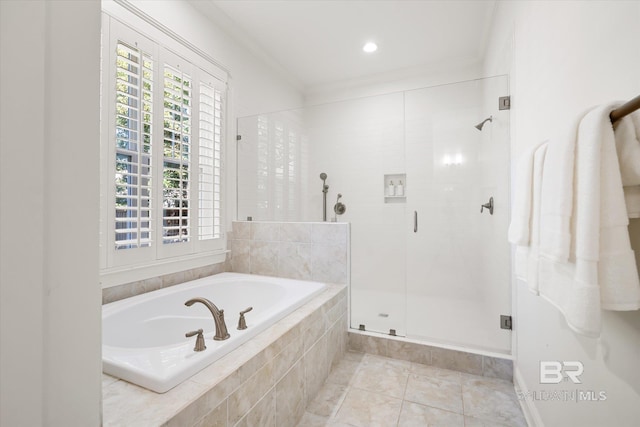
601, 271
628, 148
520, 227
557, 193
524, 228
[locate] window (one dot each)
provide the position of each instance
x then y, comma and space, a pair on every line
162, 152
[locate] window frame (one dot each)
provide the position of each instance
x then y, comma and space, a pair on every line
120, 266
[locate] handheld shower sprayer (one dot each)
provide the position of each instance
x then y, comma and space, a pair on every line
325, 189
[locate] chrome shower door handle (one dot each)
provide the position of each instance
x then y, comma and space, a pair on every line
415, 221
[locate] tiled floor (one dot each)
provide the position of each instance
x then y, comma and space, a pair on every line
364, 390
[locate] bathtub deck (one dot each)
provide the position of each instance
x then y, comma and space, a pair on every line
235, 388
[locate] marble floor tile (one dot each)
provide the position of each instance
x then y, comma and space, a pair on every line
344, 372
367, 390
435, 392
433, 372
416, 415
492, 400
477, 422
382, 375
312, 420
469, 380
362, 408
354, 356
328, 400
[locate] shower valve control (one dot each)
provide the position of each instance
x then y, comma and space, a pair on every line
488, 205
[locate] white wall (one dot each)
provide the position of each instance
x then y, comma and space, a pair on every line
49, 294
563, 57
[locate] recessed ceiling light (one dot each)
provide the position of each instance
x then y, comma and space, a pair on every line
370, 47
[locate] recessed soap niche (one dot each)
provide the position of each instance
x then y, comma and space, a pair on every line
395, 188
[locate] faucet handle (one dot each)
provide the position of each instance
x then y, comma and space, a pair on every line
199, 340
242, 323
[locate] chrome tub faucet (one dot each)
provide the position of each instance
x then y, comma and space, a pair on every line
218, 317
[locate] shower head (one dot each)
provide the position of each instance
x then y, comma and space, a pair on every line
480, 125
323, 176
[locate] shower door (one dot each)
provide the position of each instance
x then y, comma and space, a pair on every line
457, 257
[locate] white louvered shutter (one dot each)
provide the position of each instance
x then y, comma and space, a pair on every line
133, 147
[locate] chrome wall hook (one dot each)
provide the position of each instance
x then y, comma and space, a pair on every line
488, 206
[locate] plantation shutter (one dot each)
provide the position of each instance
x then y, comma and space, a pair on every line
178, 88
163, 115
133, 147
210, 159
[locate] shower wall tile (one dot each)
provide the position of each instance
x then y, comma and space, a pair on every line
497, 368
329, 263
303, 251
412, 352
265, 231
457, 360
368, 344
264, 258
116, 293
240, 262
241, 230
295, 232
294, 260
471, 363
329, 233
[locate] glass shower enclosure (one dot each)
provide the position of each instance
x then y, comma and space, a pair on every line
428, 261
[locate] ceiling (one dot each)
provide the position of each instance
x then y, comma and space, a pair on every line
319, 42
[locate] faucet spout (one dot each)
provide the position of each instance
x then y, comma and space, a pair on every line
218, 317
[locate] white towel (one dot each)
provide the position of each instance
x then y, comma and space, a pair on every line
557, 193
601, 272
524, 228
628, 149
520, 227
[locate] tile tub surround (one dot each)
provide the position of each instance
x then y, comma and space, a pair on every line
116, 293
470, 363
267, 381
367, 390
294, 250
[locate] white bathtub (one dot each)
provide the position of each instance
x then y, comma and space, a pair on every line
143, 338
